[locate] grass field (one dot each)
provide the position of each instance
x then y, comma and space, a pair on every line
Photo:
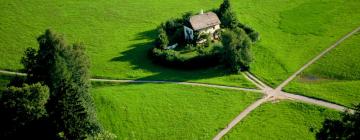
284, 120
167, 111
335, 77
294, 32
118, 33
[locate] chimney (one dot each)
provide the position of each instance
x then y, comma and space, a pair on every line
202, 11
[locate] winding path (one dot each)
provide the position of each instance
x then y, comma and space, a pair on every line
269, 93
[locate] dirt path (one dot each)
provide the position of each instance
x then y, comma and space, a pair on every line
287, 81
153, 81
277, 93
270, 93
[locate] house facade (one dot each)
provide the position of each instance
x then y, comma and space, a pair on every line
205, 23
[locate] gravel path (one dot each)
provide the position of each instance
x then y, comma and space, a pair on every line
270, 93
277, 93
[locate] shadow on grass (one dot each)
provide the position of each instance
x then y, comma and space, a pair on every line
137, 55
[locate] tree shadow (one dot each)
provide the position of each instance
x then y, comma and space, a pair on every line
137, 55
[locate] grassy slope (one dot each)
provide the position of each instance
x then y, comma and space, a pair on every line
293, 32
118, 33
283, 120
167, 111
335, 77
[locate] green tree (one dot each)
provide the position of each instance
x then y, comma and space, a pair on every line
225, 6
348, 128
65, 70
229, 20
20, 107
237, 49
162, 40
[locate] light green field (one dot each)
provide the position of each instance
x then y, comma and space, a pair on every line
118, 33
335, 77
284, 120
167, 111
293, 32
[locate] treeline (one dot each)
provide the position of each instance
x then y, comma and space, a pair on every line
53, 101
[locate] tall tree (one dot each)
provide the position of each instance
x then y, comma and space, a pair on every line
348, 128
237, 49
225, 6
20, 107
65, 69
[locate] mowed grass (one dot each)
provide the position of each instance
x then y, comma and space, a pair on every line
293, 32
118, 33
284, 120
335, 77
167, 111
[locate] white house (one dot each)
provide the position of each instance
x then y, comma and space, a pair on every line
205, 23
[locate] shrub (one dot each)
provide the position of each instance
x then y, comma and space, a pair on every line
237, 49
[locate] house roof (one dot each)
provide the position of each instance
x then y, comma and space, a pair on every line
205, 20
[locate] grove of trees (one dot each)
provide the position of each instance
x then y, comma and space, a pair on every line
58, 81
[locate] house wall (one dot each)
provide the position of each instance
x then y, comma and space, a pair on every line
210, 30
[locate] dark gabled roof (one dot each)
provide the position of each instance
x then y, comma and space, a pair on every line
205, 20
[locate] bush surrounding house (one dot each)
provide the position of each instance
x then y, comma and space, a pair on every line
193, 41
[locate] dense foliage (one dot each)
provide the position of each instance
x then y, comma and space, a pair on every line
235, 53
23, 111
64, 106
348, 128
237, 49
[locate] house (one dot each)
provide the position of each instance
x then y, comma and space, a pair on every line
205, 23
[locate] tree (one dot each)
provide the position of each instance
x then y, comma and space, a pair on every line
225, 6
236, 49
229, 20
65, 70
162, 40
348, 128
20, 107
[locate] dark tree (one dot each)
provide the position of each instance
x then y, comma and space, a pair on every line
225, 6
21, 108
348, 128
237, 49
162, 41
64, 69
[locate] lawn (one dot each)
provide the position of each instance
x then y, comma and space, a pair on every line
293, 32
283, 120
335, 77
118, 33
167, 111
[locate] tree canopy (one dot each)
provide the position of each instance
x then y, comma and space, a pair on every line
20, 107
65, 70
236, 49
348, 128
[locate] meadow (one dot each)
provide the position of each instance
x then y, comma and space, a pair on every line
119, 33
167, 111
335, 77
282, 120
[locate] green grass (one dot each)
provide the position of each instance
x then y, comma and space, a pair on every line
284, 120
294, 32
118, 33
167, 111
335, 77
